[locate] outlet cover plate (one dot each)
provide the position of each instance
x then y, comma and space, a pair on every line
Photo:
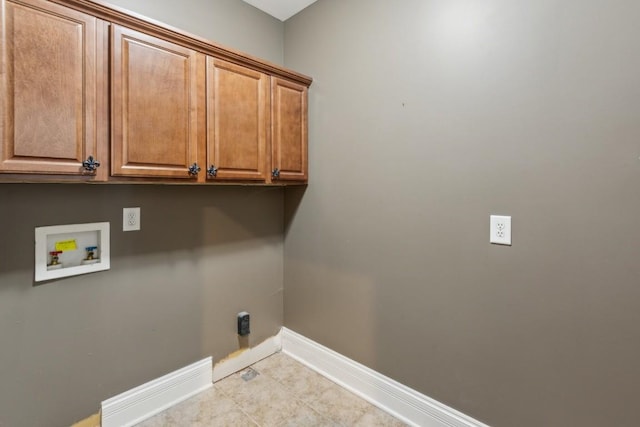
500, 229
130, 219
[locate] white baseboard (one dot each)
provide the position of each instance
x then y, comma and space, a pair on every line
142, 402
241, 360
406, 404
399, 400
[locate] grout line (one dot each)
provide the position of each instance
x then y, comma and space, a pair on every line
291, 370
290, 392
235, 403
298, 400
247, 415
307, 371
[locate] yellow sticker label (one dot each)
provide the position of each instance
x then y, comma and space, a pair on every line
66, 245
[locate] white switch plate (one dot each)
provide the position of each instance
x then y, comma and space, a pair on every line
130, 219
500, 229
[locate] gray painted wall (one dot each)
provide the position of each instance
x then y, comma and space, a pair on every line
169, 299
231, 23
174, 288
426, 116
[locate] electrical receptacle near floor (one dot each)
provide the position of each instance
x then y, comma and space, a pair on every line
500, 229
243, 324
130, 219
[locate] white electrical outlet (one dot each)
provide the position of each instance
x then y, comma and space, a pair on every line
500, 229
130, 219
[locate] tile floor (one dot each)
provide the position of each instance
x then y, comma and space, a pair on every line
277, 391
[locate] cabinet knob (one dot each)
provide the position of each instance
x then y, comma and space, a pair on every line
212, 171
194, 169
275, 174
91, 164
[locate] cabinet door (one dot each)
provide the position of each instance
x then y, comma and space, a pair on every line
289, 130
237, 120
155, 105
52, 89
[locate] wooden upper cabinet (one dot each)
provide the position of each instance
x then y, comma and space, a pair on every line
52, 89
289, 131
237, 122
157, 97
83, 84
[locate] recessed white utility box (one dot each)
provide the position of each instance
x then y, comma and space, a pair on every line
69, 250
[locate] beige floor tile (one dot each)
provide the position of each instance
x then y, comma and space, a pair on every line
275, 392
262, 398
231, 384
274, 365
339, 405
375, 417
210, 408
307, 417
303, 382
235, 418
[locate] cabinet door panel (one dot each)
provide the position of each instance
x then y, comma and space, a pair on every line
289, 139
237, 119
49, 87
155, 106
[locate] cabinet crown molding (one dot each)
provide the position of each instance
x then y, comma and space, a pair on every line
121, 16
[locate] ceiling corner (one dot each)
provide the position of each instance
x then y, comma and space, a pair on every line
280, 9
